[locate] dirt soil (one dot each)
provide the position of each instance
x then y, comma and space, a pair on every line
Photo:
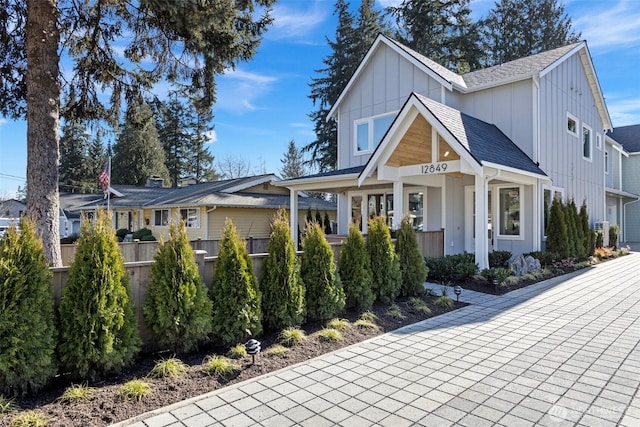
106, 407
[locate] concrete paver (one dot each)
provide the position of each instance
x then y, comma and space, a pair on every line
561, 352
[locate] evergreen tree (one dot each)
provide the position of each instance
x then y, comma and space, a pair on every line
73, 155
234, 293
96, 160
327, 224
384, 261
177, 308
27, 347
323, 289
200, 164
441, 30
355, 271
587, 235
173, 120
281, 286
138, 153
518, 28
98, 331
557, 232
309, 215
412, 265
570, 216
292, 162
318, 218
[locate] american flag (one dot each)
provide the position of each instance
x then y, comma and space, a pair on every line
104, 177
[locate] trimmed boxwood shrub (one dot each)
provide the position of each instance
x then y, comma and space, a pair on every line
27, 346
177, 308
355, 271
281, 286
413, 269
323, 289
98, 331
384, 261
448, 268
235, 295
499, 258
140, 234
121, 233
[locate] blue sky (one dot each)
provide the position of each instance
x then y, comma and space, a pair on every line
263, 104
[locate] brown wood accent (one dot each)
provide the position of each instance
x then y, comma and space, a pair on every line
445, 152
431, 243
415, 146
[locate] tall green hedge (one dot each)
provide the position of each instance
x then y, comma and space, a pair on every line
27, 331
557, 231
235, 295
413, 269
98, 331
281, 286
177, 308
355, 271
385, 269
323, 289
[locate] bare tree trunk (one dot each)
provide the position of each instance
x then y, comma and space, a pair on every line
43, 103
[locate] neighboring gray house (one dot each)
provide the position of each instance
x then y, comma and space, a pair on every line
475, 155
622, 171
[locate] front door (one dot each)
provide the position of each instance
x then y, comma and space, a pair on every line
470, 221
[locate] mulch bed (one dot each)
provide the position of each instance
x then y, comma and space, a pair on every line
106, 408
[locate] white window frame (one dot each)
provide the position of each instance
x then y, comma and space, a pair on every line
587, 127
190, 224
168, 217
369, 121
577, 123
498, 213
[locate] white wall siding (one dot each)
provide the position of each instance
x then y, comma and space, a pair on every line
631, 184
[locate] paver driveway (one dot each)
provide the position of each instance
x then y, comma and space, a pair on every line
562, 352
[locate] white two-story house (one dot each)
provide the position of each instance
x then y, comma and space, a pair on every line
478, 156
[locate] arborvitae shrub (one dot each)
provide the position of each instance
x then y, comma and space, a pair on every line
234, 293
599, 239
323, 289
613, 236
355, 271
27, 329
318, 218
281, 287
327, 224
309, 215
587, 235
570, 215
413, 269
385, 267
557, 233
177, 308
98, 331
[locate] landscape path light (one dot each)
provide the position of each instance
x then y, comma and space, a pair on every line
457, 290
253, 347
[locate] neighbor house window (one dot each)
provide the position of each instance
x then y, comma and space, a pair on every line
161, 217
586, 142
572, 125
509, 211
191, 217
369, 132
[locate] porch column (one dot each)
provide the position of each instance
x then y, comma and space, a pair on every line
481, 221
293, 215
398, 206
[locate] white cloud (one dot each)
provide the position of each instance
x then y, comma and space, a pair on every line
614, 25
297, 23
3, 121
388, 3
238, 90
624, 111
212, 137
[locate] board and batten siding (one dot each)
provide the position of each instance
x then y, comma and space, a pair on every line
382, 87
563, 90
631, 184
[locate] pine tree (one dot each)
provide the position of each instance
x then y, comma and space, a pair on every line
234, 293
587, 235
412, 265
96, 160
318, 218
27, 347
281, 286
73, 156
323, 289
384, 261
292, 162
138, 153
441, 30
327, 224
200, 164
355, 271
309, 216
173, 121
177, 308
518, 28
570, 215
98, 331
557, 232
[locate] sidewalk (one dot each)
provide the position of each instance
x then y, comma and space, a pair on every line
561, 352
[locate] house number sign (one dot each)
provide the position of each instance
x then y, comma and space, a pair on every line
434, 168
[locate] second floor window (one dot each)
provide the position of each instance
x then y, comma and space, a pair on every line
586, 142
369, 132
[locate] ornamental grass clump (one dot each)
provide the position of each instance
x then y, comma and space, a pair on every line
7, 406
238, 351
76, 393
338, 324
355, 271
220, 367
395, 312
290, 337
419, 306
134, 390
28, 335
413, 270
281, 287
324, 294
30, 419
386, 274
168, 368
330, 335
177, 308
234, 293
98, 330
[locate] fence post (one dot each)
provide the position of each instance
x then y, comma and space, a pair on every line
199, 255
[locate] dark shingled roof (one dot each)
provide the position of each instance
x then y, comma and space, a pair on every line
628, 136
484, 141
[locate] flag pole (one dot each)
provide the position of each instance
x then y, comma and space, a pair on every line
109, 187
